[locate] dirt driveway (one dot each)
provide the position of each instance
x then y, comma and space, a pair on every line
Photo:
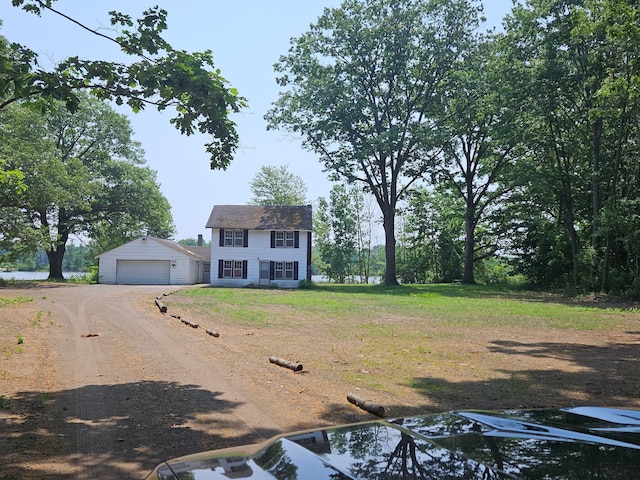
96, 383
104, 386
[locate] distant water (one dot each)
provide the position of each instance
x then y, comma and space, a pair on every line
323, 279
36, 275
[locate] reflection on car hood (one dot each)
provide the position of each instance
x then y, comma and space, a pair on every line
573, 443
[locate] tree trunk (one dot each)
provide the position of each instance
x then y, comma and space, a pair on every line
595, 183
469, 246
604, 286
56, 256
390, 246
595, 202
575, 247
55, 262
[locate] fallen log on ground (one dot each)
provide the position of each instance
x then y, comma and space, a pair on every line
213, 333
187, 322
296, 367
161, 306
370, 407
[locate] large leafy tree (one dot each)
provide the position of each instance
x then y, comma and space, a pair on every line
578, 64
274, 185
83, 175
23, 138
161, 76
365, 89
480, 149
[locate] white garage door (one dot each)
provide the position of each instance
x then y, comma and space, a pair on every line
143, 272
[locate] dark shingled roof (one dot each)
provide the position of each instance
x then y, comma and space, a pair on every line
257, 217
204, 252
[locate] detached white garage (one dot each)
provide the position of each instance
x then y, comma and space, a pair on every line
151, 261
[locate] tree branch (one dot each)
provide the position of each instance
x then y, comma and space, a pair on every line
95, 32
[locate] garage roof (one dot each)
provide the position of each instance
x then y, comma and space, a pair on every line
168, 243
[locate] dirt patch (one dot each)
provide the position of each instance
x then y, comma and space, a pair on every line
96, 383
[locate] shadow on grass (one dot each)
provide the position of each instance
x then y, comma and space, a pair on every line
451, 290
113, 431
443, 290
604, 375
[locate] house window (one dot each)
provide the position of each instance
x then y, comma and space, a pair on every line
284, 270
232, 269
284, 240
234, 238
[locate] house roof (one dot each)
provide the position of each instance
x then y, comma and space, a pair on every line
204, 252
258, 217
177, 247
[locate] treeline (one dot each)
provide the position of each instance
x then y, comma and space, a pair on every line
488, 154
76, 259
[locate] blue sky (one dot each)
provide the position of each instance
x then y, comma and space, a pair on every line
246, 37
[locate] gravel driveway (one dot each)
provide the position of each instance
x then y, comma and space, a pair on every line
104, 386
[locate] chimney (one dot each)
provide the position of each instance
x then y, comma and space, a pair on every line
200, 240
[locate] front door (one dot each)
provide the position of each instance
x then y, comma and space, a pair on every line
264, 273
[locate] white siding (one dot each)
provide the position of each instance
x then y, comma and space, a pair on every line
259, 248
183, 271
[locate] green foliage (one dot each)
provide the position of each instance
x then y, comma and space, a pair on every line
364, 87
93, 274
306, 284
336, 234
430, 247
9, 301
274, 185
163, 77
494, 271
575, 65
77, 258
343, 231
89, 278
192, 242
83, 174
37, 321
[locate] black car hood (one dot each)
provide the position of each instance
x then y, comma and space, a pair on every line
574, 443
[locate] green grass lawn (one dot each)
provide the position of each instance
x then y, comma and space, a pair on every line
453, 305
454, 345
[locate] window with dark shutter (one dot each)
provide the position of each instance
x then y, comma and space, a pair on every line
296, 239
272, 270
295, 270
282, 239
232, 268
234, 238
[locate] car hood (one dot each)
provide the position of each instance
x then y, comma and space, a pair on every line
573, 443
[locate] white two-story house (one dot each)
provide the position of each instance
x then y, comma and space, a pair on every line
260, 245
